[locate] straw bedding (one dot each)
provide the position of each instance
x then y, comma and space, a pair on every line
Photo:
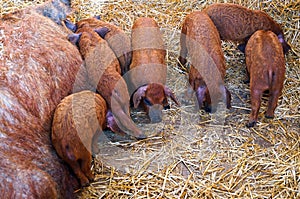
192, 154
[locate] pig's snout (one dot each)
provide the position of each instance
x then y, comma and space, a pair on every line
155, 113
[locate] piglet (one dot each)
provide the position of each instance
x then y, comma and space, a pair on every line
116, 38
148, 69
78, 121
237, 23
266, 67
102, 68
201, 41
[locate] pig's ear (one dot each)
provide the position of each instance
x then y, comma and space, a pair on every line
138, 95
112, 124
286, 47
170, 94
102, 31
74, 38
97, 17
200, 94
70, 25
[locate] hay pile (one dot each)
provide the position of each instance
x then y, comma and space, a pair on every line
194, 154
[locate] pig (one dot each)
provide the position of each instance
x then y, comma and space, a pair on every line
238, 23
101, 65
116, 38
266, 68
78, 122
201, 41
39, 67
148, 69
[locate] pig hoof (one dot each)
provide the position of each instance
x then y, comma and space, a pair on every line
246, 81
95, 149
91, 177
141, 137
84, 182
208, 109
269, 116
251, 124
228, 106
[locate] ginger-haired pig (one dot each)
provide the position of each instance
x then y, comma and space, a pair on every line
237, 23
78, 121
116, 38
104, 74
201, 41
148, 69
266, 68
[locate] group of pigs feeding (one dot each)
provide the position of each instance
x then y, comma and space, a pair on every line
201, 36
108, 70
262, 41
94, 39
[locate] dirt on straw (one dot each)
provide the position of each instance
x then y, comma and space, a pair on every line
192, 154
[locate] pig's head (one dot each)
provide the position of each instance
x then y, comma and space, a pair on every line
121, 114
91, 22
154, 98
86, 38
205, 101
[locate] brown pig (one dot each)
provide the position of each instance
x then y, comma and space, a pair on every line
266, 67
101, 65
116, 38
78, 121
39, 67
148, 69
201, 41
238, 23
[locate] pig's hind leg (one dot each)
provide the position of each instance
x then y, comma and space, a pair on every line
274, 94
255, 105
183, 47
75, 163
85, 165
76, 167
